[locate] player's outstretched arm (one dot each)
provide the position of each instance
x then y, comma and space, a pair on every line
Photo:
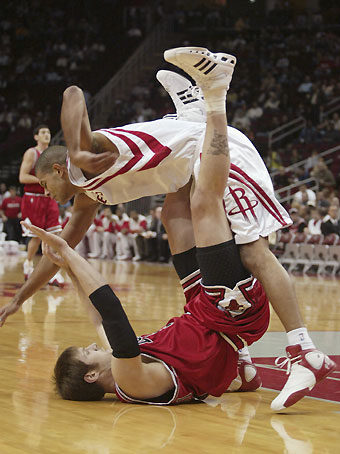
133, 376
84, 211
87, 151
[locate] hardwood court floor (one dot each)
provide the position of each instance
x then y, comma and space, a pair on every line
33, 419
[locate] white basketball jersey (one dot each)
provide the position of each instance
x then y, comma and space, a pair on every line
160, 156
155, 157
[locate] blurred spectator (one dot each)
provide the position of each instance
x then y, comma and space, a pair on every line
122, 227
330, 223
322, 174
308, 133
314, 223
312, 161
299, 223
305, 196
137, 226
325, 198
156, 239
3, 192
109, 234
11, 215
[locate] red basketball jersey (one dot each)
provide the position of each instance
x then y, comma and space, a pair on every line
200, 347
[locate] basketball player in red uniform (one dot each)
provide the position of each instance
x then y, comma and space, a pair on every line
36, 208
196, 354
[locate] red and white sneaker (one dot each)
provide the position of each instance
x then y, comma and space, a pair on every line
247, 379
28, 268
305, 368
209, 70
187, 98
57, 280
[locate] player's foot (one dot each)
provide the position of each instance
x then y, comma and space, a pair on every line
123, 257
306, 368
210, 71
57, 280
28, 268
247, 379
137, 258
187, 98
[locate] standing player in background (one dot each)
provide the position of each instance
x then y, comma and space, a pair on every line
36, 208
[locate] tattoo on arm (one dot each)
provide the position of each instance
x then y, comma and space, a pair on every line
219, 145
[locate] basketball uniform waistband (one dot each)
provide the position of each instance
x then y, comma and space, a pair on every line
36, 194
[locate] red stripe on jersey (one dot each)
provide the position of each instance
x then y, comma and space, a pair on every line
137, 157
161, 152
261, 195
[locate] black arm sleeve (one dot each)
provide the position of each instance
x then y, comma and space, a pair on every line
117, 327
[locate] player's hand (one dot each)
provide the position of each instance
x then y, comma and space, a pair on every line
53, 256
54, 241
91, 162
8, 309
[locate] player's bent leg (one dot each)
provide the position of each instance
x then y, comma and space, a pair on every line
262, 263
306, 366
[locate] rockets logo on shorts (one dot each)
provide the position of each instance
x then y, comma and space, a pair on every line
243, 204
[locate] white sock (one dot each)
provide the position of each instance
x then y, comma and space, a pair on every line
215, 100
300, 336
244, 354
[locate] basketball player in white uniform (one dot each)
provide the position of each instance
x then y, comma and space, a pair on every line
158, 157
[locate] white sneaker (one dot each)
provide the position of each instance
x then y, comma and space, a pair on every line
57, 280
123, 257
187, 98
306, 368
137, 258
28, 268
209, 70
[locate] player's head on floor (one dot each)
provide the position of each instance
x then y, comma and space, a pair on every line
79, 371
51, 170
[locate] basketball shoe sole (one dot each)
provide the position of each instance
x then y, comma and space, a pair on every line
210, 71
247, 379
306, 368
188, 100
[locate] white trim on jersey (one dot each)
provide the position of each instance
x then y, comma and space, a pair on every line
140, 401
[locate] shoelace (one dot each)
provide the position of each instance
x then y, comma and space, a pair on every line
281, 361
